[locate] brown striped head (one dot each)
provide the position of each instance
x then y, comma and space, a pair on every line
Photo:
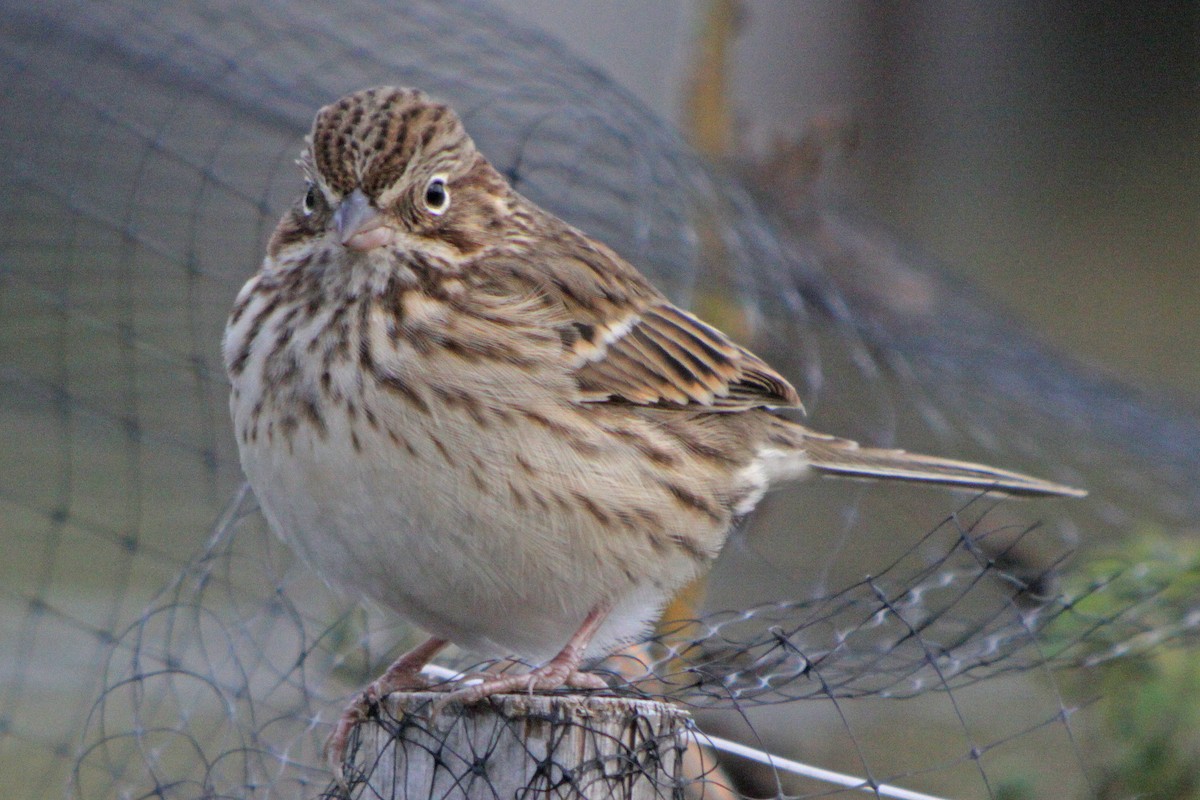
386, 162
377, 138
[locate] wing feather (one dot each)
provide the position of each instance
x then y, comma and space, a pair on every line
669, 357
622, 340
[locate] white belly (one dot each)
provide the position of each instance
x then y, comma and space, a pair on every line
439, 537
475, 532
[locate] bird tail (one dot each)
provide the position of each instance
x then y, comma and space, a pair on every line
830, 455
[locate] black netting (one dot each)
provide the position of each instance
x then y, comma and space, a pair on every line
158, 642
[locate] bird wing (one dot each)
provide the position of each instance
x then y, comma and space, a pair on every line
662, 355
623, 341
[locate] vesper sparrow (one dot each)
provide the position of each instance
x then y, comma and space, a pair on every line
456, 404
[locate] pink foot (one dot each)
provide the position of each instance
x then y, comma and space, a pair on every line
403, 675
562, 670
546, 678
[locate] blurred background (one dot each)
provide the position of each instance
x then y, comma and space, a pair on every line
1048, 152
967, 229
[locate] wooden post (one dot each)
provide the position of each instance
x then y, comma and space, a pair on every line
583, 747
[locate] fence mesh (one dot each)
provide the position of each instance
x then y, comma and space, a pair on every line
159, 642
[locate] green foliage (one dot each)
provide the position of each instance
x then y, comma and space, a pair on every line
1132, 620
1151, 710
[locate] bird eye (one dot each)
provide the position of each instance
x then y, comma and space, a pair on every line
311, 198
437, 197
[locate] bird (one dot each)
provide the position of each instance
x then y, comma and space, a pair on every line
455, 404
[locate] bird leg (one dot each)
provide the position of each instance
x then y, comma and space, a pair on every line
403, 674
562, 670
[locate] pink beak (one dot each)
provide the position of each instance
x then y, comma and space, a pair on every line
359, 224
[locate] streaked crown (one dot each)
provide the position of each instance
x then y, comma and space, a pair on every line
373, 138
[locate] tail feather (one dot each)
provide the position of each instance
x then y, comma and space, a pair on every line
834, 456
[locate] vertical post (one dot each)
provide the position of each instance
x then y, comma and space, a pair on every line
583, 747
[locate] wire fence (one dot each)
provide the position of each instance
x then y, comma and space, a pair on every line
160, 643
230, 678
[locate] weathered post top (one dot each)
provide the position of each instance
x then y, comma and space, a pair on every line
582, 747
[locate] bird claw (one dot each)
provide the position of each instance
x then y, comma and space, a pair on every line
546, 678
579, 679
358, 711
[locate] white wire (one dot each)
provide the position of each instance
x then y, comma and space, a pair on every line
763, 757
796, 768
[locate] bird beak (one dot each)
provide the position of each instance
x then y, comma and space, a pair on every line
359, 225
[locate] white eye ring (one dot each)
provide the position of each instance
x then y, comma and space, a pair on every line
437, 196
310, 200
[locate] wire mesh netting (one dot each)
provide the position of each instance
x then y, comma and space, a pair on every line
160, 643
